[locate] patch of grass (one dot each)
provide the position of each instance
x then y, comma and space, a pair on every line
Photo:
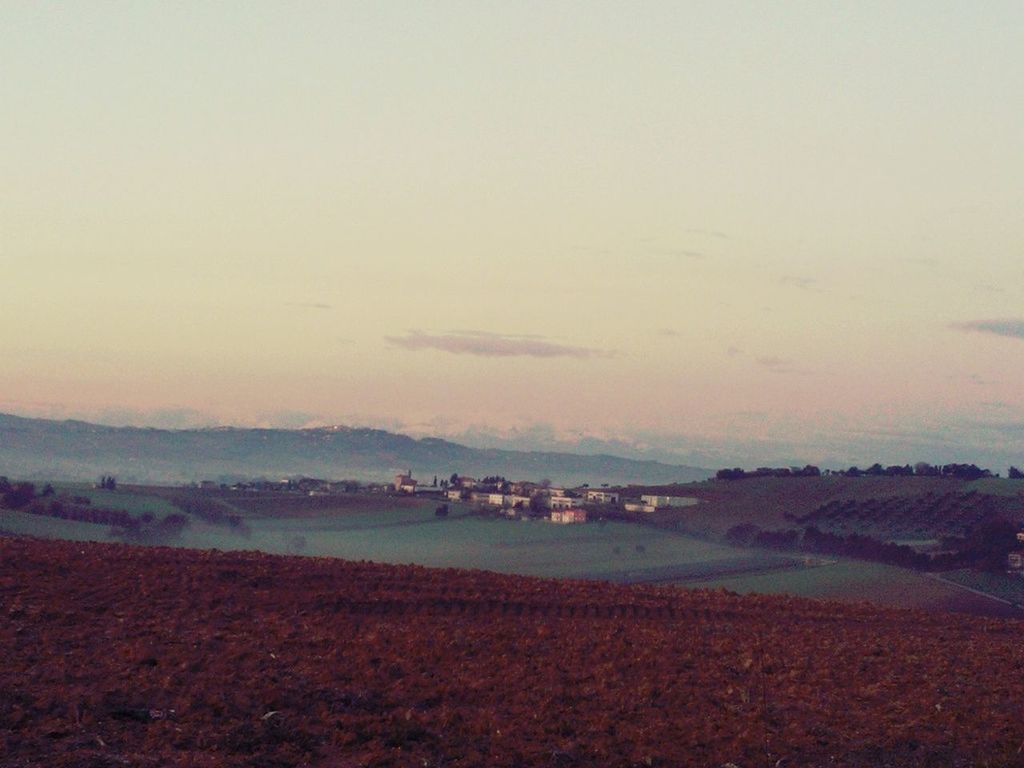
44, 527
997, 584
133, 502
850, 580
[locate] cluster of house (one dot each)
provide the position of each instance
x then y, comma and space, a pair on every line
516, 499
560, 505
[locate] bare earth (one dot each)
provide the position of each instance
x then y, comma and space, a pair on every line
115, 655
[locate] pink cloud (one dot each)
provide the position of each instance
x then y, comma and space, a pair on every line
485, 344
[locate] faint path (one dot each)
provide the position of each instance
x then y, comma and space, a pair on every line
978, 592
695, 571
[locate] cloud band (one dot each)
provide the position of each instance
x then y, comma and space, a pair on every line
484, 344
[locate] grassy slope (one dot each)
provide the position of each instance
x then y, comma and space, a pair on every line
765, 501
857, 580
41, 526
133, 500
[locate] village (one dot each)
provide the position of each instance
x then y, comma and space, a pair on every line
525, 500
531, 500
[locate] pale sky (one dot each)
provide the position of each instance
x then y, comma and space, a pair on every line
769, 223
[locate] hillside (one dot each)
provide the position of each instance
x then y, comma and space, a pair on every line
938, 505
45, 449
154, 657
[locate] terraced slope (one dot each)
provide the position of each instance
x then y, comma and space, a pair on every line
115, 655
927, 515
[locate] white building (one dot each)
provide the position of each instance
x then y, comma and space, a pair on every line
559, 502
659, 502
405, 483
633, 506
602, 497
1015, 563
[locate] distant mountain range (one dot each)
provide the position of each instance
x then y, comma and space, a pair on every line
77, 450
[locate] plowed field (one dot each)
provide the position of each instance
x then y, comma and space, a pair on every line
122, 656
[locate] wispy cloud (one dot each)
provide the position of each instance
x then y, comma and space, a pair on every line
777, 364
668, 333
592, 249
970, 378
159, 418
290, 419
680, 252
795, 281
1011, 328
484, 344
708, 233
490, 335
995, 405
309, 305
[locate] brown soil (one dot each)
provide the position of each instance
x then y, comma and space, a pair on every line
123, 656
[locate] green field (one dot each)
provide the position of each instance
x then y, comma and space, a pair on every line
132, 502
1009, 588
614, 551
846, 579
24, 524
413, 534
538, 548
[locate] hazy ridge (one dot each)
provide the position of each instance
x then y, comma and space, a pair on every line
43, 448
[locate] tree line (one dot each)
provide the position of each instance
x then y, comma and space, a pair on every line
985, 547
920, 469
23, 497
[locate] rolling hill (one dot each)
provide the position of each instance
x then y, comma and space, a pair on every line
46, 449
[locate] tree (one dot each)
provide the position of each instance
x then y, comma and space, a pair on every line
730, 474
18, 495
989, 543
742, 535
1015, 474
538, 503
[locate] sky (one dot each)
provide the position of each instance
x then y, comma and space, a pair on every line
729, 231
